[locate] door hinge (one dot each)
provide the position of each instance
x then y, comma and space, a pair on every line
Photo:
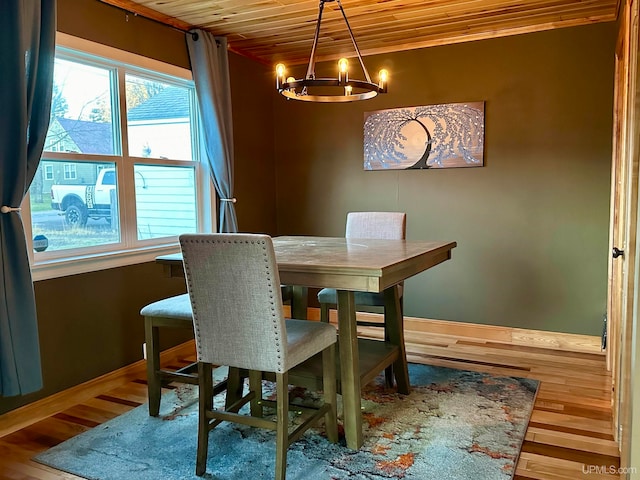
603, 343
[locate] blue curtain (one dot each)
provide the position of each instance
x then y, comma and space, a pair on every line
210, 67
27, 49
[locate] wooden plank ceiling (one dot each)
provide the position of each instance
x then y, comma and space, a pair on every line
271, 31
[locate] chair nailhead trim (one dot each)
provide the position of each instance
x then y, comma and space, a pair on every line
274, 317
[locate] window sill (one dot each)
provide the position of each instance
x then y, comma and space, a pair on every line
49, 269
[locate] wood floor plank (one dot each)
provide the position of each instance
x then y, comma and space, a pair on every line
572, 454
112, 404
592, 392
543, 467
571, 440
575, 409
571, 421
596, 397
89, 414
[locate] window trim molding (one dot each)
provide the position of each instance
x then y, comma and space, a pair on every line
94, 262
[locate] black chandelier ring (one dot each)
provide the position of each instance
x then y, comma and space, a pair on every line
350, 89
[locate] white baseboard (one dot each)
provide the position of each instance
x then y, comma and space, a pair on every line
414, 326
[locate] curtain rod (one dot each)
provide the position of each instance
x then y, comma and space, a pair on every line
194, 35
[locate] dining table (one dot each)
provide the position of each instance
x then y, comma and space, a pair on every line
349, 265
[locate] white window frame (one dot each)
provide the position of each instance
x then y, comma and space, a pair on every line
70, 172
45, 265
48, 172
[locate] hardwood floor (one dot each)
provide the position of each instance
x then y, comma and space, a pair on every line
569, 436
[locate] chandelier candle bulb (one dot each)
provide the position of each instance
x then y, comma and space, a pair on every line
383, 76
343, 70
280, 70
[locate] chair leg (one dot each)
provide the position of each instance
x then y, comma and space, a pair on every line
282, 425
205, 404
154, 385
324, 312
388, 376
255, 385
330, 392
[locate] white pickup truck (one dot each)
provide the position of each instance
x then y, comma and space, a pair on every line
81, 202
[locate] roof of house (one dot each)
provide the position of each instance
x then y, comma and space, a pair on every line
171, 102
90, 137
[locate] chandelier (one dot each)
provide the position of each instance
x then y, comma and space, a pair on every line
337, 89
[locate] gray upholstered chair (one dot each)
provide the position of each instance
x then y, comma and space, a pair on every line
175, 313
172, 312
383, 225
234, 287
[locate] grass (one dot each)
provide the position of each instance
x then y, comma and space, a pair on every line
43, 206
77, 237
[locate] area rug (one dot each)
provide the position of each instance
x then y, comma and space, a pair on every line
453, 425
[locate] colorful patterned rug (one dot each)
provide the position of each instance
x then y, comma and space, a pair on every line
453, 425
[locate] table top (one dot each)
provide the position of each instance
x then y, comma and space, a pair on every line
370, 265
377, 263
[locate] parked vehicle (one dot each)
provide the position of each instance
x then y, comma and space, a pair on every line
81, 202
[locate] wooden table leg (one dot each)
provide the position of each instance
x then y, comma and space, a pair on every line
394, 324
154, 383
349, 369
299, 302
235, 385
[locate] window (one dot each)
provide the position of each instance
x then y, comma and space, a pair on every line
120, 176
70, 171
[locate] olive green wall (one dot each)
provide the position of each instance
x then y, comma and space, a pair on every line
102, 23
89, 324
531, 225
253, 132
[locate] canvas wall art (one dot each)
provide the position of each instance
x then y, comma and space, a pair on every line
432, 136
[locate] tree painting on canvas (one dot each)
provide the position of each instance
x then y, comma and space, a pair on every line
432, 136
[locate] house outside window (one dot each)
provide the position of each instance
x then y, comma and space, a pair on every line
120, 175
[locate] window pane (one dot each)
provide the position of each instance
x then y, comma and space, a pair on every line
78, 212
159, 119
81, 116
165, 201
70, 171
